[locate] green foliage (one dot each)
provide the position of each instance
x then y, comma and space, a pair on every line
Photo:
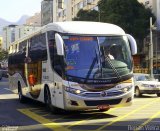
3, 54
131, 15
86, 15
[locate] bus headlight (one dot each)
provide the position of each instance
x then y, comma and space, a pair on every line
126, 89
73, 91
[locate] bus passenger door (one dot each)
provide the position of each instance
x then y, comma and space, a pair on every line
56, 64
37, 53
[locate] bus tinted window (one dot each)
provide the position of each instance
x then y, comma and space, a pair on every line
37, 48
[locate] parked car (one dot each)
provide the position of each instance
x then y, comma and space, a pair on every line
144, 84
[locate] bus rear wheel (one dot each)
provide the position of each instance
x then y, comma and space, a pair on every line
48, 102
22, 99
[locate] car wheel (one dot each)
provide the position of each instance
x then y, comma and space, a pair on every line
22, 99
158, 94
137, 92
48, 102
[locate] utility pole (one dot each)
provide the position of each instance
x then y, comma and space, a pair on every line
152, 27
151, 49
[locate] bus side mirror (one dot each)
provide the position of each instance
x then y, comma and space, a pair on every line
59, 44
133, 44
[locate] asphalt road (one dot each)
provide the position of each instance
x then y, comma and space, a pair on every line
144, 114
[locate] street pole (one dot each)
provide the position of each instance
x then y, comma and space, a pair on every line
151, 49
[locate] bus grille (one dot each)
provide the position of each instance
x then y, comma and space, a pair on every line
109, 94
102, 102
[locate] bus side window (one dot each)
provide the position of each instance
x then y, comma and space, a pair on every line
37, 49
56, 60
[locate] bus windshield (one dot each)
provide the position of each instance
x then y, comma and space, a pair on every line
92, 57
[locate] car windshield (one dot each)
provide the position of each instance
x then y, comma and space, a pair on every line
143, 78
94, 57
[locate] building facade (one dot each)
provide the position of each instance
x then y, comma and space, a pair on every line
46, 12
71, 8
12, 33
8, 36
64, 10
23, 30
34, 20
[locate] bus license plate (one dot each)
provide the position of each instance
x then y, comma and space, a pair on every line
102, 107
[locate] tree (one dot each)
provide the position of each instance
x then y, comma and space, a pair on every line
131, 15
3, 55
86, 15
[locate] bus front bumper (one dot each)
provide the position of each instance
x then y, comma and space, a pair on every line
75, 102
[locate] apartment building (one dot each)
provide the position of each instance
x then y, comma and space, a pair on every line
12, 33
34, 20
72, 7
64, 10
23, 30
8, 36
47, 11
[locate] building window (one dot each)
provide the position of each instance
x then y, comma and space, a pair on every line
80, 5
84, 3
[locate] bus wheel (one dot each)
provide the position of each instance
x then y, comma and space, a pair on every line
137, 92
22, 99
158, 94
48, 102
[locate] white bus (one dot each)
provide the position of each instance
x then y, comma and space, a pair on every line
74, 66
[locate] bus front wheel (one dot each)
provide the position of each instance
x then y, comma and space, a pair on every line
48, 102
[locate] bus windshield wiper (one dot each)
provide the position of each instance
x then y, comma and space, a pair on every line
90, 69
112, 66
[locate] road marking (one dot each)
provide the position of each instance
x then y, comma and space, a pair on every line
147, 121
85, 121
45, 122
8, 96
130, 113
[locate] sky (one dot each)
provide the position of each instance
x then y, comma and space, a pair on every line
12, 10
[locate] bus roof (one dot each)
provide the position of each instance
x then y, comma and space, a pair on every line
81, 27
78, 27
